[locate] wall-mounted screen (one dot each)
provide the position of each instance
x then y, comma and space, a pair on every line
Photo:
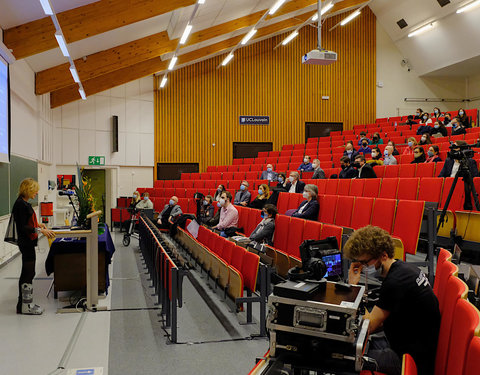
4, 112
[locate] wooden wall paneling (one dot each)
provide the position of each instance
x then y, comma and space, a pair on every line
200, 105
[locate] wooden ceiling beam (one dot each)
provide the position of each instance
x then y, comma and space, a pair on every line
154, 65
83, 22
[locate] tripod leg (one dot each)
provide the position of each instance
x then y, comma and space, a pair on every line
447, 202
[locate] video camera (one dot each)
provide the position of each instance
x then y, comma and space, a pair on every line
461, 152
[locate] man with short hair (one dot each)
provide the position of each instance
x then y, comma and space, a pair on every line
388, 158
243, 196
228, 214
364, 170
145, 203
169, 214
306, 166
269, 174
363, 137
347, 170
295, 185
318, 172
407, 309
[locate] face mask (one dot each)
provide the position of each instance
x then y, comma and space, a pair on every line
219, 189
134, 196
430, 153
315, 166
219, 205
436, 126
269, 169
306, 195
171, 202
364, 144
349, 151
436, 112
305, 160
242, 187
146, 198
291, 179
374, 154
410, 143
260, 191
356, 165
375, 138
262, 215
205, 203
460, 113
280, 179
424, 139
418, 113
454, 125
222, 202
425, 117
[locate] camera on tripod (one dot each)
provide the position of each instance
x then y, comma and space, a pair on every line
461, 152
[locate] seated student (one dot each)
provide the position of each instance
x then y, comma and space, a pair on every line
433, 152
407, 309
388, 158
306, 166
262, 198
438, 130
436, 114
280, 188
363, 137
364, 148
412, 143
228, 215
269, 174
395, 151
376, 157
463, 118
136, 199
418, 155
207, 210
263, 233
425, 139
447, 119
218, 193
376, 140
169, 214
243, 196
457, 127
347, 169
424, 128
425, 119
418, 114
318, 172
309, 208
294, 185
146, 203
364, 170
410, 120
282, 181
350, 151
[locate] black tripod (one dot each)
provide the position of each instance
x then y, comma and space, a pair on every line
464, 172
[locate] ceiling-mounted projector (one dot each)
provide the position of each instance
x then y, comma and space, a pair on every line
319, 57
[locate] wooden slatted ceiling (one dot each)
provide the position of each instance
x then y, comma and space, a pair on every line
83, 22
151, 66
200, 105
153, 46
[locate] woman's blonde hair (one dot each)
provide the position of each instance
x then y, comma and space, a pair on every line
28, 187
266, 190
138, 196
413, 140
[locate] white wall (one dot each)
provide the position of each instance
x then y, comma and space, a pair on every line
399, 83
473, 91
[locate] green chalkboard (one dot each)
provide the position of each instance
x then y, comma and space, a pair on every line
10, 177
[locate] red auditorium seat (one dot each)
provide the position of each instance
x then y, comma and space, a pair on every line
430, 189
407, 170
391, 171
442, 274
383, 213
343, 214
406, 159
180, 192
332, 231
183, 203
312, 230
456, 203
263, 154
249, 270
287, 147
282, 203
425, 170
408, 220
380, 170
189, 193
388, 188
371, 187
169, 192
328, 204
472, 363
116, 216
183, 176
362, 212
158, 184
281, 232
295, 236
228, 249
343, 186
356, 188
407, 188
256, 168
332, 187
205, 175
238, 254
253, 219
237, 161
189, 183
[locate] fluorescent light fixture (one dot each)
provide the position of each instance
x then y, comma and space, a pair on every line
289, 38
164, 82
350, 17
421, 30
62, 43
201, 1
47, 8
186, 33
227, 59
466, 8
82, 93
173, 61
277, 5
326, 8
315, 17
74, 72
248, 36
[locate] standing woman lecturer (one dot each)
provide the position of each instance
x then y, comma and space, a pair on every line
27, 228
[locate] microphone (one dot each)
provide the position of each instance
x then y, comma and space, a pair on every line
66, 192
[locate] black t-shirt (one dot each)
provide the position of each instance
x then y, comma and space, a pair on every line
166, 214
25, 221
414, 321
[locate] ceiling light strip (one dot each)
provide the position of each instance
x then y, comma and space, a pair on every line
351, 16
468, 7
422, 29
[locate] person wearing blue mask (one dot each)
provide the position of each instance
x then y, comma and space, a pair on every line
146, 202
457, 127
262, 198
269, 174
438, 130
306, 166
263, 233
243, 196
207, 210
412, 143
350, 151
432, 153
388, 158
310, 207
318, 172
169, 214
463, 118
218, 193
406, 304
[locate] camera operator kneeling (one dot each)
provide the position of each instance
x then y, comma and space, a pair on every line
407, 308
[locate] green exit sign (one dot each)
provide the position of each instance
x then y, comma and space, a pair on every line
96, 160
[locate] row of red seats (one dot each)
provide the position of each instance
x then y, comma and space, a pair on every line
469, 112
458, 349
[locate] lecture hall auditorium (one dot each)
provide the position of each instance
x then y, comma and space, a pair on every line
153, 103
